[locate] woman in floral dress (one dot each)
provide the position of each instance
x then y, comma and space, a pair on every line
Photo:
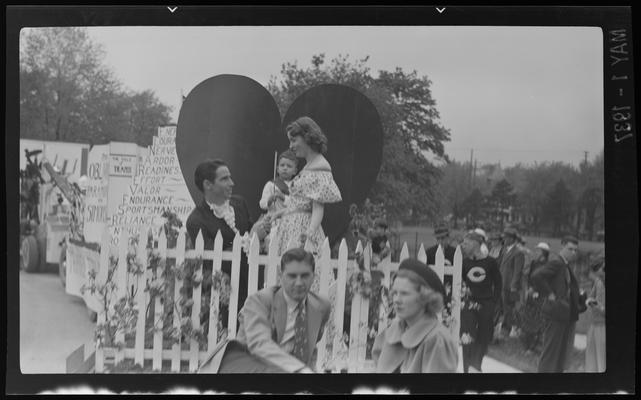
311, 189
314, 186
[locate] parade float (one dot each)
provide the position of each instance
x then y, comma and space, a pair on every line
158, 310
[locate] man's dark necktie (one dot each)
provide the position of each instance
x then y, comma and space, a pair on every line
300, 334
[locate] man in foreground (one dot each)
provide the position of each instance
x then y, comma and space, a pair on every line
279, 326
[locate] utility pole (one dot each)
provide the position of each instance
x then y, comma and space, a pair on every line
474, 176
471, 171
585, 159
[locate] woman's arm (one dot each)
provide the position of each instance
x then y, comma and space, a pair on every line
318, 209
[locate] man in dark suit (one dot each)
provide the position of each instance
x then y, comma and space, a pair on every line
279, 326
442, 234
511, 261
557, 283
224, 212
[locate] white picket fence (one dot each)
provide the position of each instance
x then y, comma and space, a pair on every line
354, 361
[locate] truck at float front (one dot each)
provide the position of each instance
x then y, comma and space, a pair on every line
128, 187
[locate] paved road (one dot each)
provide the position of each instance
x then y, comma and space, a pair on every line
52, 324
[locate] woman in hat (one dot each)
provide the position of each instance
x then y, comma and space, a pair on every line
595, 343
416, 342
532, 321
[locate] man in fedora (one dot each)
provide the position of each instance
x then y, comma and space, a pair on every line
442, 234
511, 262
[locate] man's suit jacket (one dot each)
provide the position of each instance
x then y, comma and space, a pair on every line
557, 277
511, 266
448, 252
262, 325
203, 219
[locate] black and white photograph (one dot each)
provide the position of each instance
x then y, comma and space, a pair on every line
326, 199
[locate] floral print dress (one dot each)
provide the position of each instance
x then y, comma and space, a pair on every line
314, 183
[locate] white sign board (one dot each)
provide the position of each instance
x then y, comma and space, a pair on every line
157, 186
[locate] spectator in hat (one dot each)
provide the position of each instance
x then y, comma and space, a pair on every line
442, 234
495, 245
480, 295
556, 282
484, 248
531, 319
415, 341
511, 262
378, 239
595, 342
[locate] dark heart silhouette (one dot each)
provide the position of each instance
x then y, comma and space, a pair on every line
234, 118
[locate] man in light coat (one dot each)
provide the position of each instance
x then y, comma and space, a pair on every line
279, 326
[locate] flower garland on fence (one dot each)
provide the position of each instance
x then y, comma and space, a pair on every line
121, 313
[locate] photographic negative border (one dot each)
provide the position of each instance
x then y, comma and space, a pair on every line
621, 197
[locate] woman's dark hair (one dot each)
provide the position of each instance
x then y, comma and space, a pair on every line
297, 254
207, 170
310, 132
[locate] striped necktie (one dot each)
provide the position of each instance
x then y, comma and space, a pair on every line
300, 347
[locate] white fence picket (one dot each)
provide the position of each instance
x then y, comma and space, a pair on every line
194, 346
421, 255
159, 306
121, 286
141, 298
235, 280
252, 261
457, 272
339, 306
214, 302
178, 283
101, 278
325, 271
271, 269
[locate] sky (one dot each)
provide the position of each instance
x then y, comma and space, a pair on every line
510, 94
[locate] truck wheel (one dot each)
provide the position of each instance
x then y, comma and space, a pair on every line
62, 265
29, 257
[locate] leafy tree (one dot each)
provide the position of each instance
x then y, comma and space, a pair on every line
410, 123
68, 94
473, 207
559, 207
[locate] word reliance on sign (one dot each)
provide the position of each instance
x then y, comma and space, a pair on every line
157, 186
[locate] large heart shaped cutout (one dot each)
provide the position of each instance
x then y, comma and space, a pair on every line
235, 118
